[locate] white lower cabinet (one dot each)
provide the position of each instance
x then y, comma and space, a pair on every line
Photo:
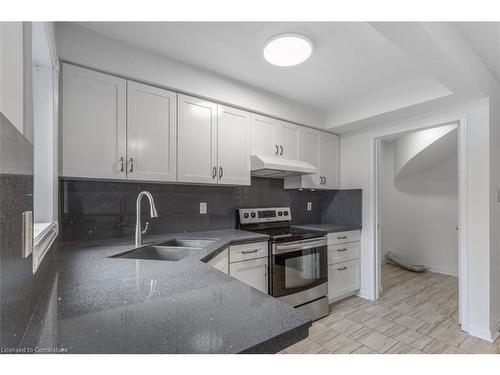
343, 278
220, 261
343, 264
252, 272
249, 263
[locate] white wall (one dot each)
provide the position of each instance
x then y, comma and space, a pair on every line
418, 215
12, 73
357, 171
82, 46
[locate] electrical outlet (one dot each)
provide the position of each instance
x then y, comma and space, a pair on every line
309, 206
203, 208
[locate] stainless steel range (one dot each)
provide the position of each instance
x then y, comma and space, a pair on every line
298, 272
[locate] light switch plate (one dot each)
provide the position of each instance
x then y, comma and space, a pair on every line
203, 208
309, 206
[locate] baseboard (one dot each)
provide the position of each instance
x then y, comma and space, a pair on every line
482, 333
436, 270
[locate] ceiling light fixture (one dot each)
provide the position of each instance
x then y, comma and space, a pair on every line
288, 49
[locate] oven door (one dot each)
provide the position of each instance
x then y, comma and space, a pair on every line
299, 266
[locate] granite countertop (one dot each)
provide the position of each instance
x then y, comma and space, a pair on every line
330, 228
117, 305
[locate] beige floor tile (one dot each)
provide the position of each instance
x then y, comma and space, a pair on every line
379, 324
345, 326
341, 344
374, 340
323, 337
478, 346
305, 346
364, 350
360, 316
401, 348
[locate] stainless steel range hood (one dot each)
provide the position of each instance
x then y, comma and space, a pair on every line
279, 167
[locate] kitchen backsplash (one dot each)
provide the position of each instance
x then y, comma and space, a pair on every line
92, 209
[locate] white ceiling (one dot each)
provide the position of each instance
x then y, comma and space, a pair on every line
351, 60
484, 38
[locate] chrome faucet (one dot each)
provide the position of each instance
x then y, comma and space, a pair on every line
138, 227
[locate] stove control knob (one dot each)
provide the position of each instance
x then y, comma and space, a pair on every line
280, 213
245, 215
252, 214
286, 213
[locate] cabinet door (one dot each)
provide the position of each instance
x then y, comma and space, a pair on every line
329, 160
343, 278
264, 136
197, 140
93, 139
310, 153
251, 272
233, 146
288, 140
151, 133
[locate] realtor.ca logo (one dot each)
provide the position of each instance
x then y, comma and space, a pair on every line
32, 349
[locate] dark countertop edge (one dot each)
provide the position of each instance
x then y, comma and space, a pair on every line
280, 342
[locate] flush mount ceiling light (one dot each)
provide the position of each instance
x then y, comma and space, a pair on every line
288, 49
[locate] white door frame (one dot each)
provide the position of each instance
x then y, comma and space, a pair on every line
463, 272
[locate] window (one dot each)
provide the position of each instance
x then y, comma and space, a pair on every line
44, 78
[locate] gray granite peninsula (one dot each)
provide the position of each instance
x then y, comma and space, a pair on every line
101, 304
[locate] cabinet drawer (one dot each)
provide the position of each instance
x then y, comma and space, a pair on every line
248, 251
343, 278
343, 252
343, 237
220, 261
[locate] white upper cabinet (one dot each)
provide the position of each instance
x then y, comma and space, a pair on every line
213, 143
151, 133
310, 153
329, 161
271, 137
197, 140
288, 140
233, 146
264, 136
320, 149
93, 139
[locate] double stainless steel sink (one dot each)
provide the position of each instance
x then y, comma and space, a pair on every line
172, 250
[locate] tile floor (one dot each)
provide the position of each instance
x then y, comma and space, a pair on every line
416, 314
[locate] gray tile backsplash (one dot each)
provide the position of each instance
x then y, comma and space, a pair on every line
92, 209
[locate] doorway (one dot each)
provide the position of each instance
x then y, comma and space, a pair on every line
420, 202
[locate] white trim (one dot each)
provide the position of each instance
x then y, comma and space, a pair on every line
460, 120
42, 244
481, 333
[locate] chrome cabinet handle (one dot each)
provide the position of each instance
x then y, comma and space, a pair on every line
344, 249
220, 172
281, 153
131, 165
265, 271
214, 173
342, 268
322, 181
341, 237
325, 179
122, 160
277, 150
249, 251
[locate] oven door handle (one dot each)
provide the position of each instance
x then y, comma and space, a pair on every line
299, 245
